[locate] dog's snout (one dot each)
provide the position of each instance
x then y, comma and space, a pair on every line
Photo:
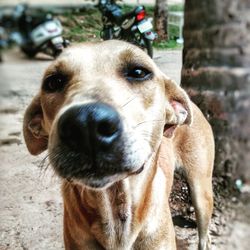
89, 128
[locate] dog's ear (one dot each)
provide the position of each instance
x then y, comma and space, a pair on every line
36, 138
178, 107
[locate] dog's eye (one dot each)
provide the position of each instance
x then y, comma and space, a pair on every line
138, 74
54, 83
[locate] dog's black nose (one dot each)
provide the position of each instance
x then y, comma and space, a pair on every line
90, 128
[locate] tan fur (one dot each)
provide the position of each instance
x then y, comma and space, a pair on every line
132, 212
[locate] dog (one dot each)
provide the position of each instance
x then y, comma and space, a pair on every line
116, 128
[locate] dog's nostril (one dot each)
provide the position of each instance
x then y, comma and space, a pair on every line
107, 128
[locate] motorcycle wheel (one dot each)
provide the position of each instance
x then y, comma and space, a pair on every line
29, 53
106, 33
56, 50
143, 43
148, 46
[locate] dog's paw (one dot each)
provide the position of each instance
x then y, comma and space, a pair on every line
205, 244
209, 243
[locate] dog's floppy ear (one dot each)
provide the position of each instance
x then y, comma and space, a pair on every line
178, 107
35, 136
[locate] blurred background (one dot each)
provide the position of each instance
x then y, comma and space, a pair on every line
202, 45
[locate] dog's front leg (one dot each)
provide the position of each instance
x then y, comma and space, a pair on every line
88, 245
202, 199
78, 240
197, 158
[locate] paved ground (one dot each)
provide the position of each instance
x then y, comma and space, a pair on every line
30, 201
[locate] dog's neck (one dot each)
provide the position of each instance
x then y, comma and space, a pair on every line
115, 214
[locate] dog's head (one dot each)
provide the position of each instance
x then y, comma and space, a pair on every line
101, 112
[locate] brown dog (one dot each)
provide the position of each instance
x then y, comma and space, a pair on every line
101, 112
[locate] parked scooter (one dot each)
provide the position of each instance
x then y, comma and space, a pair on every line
3, 42
37, 33
133, 26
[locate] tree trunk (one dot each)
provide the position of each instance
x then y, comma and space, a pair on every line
216, 73
161, 20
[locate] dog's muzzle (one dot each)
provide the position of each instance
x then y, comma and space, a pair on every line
90, 145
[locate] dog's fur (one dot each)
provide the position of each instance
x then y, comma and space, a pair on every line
127, 209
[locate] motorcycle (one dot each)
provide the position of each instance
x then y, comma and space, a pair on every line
37, 33
133, 26
3, 42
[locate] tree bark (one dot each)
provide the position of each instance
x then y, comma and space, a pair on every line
216, 73
161, 19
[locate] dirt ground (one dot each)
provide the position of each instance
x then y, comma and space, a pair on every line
30, 201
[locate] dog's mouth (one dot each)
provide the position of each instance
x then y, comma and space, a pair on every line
97, 181
102, 172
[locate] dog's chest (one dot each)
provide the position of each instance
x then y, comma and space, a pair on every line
113, 228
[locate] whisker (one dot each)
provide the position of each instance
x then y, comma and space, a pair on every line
130, 100
147, 121
44, 167
43, 161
